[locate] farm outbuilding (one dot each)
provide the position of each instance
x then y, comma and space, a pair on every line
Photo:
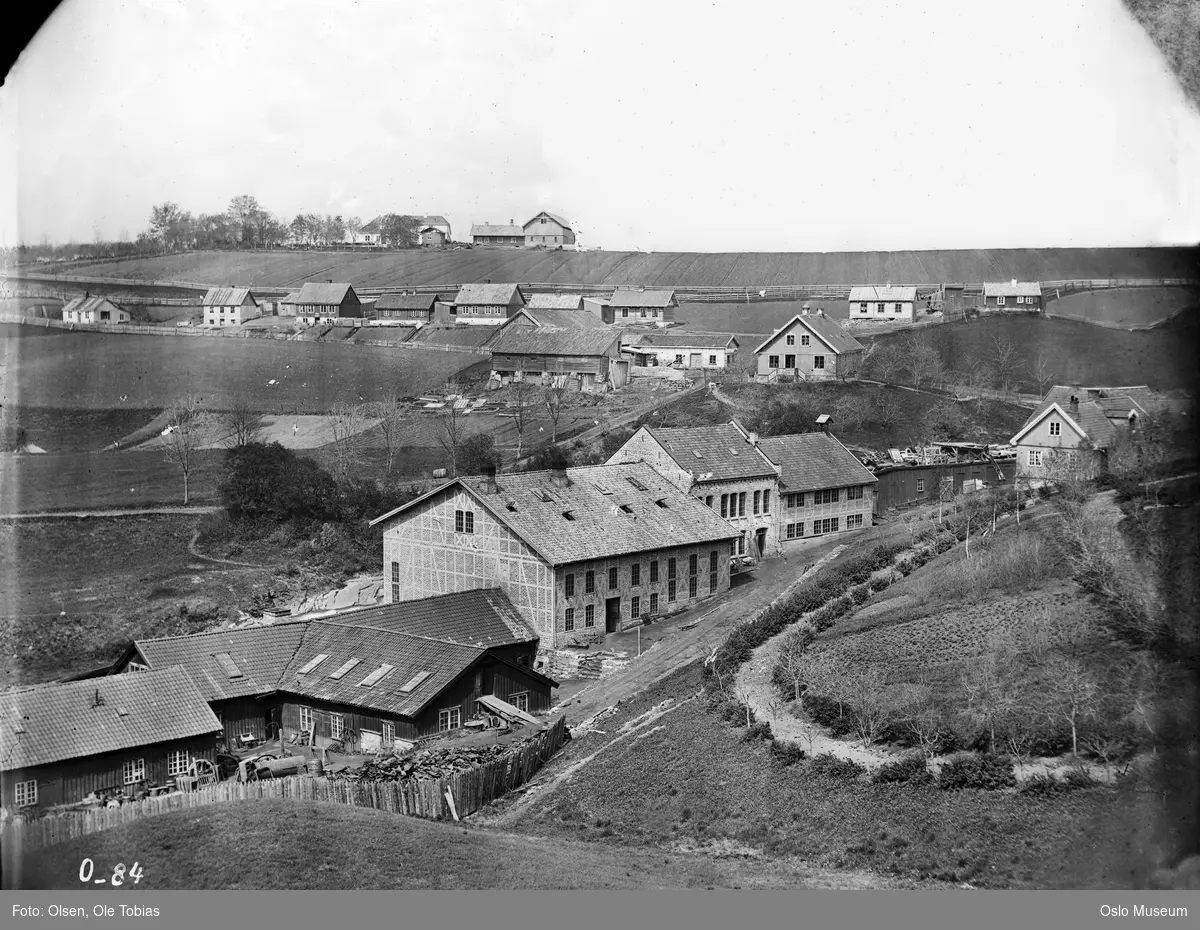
411, 308
811, 347
905, 485
511, 235
554, 302
323, 303
110, 735
431, 237
643, 305
528, 317
582, 358
548, 230
580, 552
886, 304
88, 309
685, 349
1013, 295
229, 306
486, 304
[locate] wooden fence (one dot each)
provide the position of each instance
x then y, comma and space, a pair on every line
427, 797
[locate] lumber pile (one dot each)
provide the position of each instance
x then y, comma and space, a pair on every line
428, 763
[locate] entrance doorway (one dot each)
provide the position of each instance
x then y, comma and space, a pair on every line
612, 615
760, 539
694, 361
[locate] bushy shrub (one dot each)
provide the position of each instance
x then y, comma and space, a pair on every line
827, 765
786, 753
1042, 785
911, 770
758, 731
980, 770
833, 715
861, 594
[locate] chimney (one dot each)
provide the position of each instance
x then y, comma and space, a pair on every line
823, 423
489, 475
820, 311
889, 284
511, 223
1014, 282
752, 438
804, 309
559, 477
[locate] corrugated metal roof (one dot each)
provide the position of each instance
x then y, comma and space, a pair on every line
828, 331
813, 461
50, 723
228, 297
260, 653
406, 302
483, 618
720, 451
639, 297
323, 294
555, 302
685, 340
485, 229
488, 295
868, 292
1012, 289
536, 340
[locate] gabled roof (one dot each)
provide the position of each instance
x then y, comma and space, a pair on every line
825, 329
324, 294
488, 295
372, 228
434, 221
871, 292
538, 340
555, 319
555, 302
260, 653
554, 216
641, 297
1012, 289
719, 453
483, 618
1090, 415
228, 297
53, 722
88, 304
487, 229
613, 511
813, 461
686, 340
406, 302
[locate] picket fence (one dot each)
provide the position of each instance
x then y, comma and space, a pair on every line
425, 797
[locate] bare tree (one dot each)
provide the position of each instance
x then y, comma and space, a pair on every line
873, 709
522, 404
343, 428
1072, 694
989, 690
243, 424
979, 378
452, 433
390, 423
188, 430
1042, 372
1006, 361
555, 400
792, 658
887, 409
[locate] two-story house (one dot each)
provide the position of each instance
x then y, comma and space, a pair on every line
580, 552
548, 230
229, 306
810, 347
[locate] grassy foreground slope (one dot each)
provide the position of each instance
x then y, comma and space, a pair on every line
287, 269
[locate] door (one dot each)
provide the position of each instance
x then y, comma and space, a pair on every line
761, 540
695, 361
789, 361
612, 615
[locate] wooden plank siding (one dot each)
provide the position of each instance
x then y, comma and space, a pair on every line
554, 364
244, 715
73, 779
914, 484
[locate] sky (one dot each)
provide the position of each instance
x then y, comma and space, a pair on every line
662, 126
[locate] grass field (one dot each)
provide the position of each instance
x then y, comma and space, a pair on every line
428, 267
1126, 307
101, 371
278, 845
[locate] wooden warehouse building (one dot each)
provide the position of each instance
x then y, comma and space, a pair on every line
586, 359
117, 734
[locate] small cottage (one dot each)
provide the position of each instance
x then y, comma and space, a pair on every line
683, 349
882, 304
655, 306
510, 236
1014, 295
486, 304
88, 309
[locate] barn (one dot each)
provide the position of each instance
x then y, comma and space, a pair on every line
548, 230
582, 358
510, 236
110, 735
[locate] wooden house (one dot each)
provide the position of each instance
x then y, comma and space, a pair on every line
599, 308
436, 223
655, 306
487, 304
684, 349
584, 358
548, 230
88, 309
882, 304
1013, 295
554, 302
510, 236
229, 306
580, 552
109, 735
431, 237
810, 347
900, 485
324, 303
406, 308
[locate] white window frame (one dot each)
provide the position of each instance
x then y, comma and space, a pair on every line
520, 701
791, 339
449, 718
387, 733
26, 793
178, 762
1020, 299
133, 771
999, 301
772, 361
306, 719
804, 340
337, 725
1034, 458
818, 362
1055, 429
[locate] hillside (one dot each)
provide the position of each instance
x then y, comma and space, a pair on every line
677, 269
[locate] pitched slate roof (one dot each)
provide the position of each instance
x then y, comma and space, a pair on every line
1095, 405
323, 294
228, 297
487, 229
554, 216
720, 451
641, 297
825, 329
259, 653
50, 723
87, 304
408, 655
535, 340
871, 292
600, 528
488, 295
482, 618
1012, 289
686, 340
557, 319
812, 461
555, 302
406, 302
